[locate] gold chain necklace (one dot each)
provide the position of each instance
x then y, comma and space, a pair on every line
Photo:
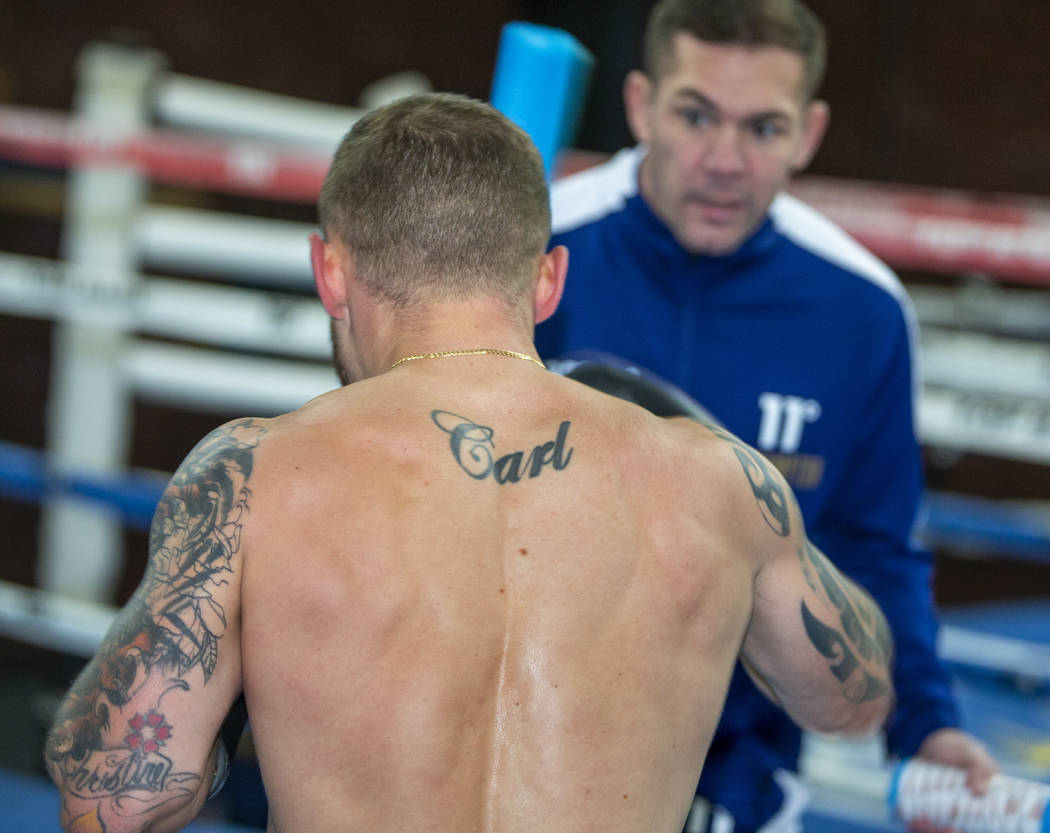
480, 351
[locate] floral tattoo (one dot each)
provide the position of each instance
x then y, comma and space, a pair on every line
106, 749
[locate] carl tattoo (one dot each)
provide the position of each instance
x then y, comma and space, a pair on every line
106, 746
472, 446
863, 638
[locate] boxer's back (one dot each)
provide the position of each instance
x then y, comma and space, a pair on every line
429, 648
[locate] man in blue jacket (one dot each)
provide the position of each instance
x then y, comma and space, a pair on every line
686, 258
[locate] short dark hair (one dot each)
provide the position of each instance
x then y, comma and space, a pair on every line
438, 196
787, 24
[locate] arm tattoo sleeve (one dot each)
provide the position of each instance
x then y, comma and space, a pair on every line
106, 749
859, 647
859, 644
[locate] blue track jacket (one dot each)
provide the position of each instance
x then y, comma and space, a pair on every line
801, 343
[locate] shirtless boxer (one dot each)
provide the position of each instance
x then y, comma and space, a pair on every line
461, 593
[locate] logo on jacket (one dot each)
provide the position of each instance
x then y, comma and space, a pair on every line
784, 420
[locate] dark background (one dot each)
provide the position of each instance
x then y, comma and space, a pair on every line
928, 92
922, 91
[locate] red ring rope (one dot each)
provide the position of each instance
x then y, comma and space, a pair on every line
937, 230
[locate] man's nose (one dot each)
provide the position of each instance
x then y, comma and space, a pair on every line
725, 152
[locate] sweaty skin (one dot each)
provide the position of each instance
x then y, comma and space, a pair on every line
428, 648
464, 595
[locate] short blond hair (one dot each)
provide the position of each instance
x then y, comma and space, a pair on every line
438, 196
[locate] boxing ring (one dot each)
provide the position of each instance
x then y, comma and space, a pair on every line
211, 311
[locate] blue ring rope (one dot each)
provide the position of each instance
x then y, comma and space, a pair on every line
947, 520
26, 475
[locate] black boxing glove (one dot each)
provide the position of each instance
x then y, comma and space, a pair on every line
626, 380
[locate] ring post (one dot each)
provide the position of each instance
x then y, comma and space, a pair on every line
89, 404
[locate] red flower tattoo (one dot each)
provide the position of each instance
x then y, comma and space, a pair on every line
150, 732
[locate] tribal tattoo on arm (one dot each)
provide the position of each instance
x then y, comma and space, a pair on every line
859, 647
860, 650
106, 748
766, 487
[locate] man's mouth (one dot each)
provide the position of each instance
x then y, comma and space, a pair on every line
716, 209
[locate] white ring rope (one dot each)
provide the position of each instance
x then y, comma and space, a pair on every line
234, 246
211, 314
935, 229
982, 394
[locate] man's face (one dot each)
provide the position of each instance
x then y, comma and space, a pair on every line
726, 126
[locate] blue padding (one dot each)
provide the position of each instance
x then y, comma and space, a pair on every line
539, 83
25, 475
979, 524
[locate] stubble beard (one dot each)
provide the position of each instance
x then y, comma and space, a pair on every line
340, 362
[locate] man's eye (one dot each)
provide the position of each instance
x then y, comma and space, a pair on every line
767, 129
695, 118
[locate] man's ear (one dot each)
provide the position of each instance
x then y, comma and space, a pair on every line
329, 276
553, 267
637, 91
814, 126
